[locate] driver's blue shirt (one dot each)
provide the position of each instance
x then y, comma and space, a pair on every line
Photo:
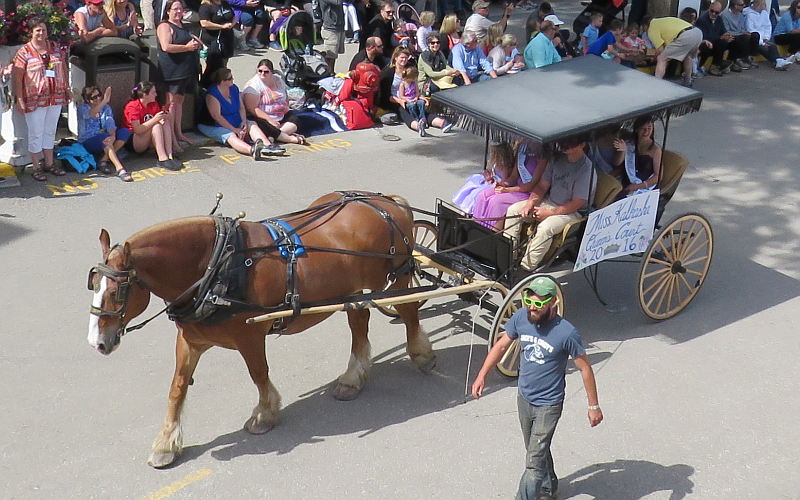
543, 356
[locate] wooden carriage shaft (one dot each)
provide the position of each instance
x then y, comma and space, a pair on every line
405, 299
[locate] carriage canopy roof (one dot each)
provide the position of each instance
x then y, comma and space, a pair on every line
563, 100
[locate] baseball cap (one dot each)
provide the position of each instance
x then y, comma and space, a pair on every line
480, 4
554, 19
543, 286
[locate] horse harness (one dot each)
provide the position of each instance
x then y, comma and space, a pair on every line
221, 292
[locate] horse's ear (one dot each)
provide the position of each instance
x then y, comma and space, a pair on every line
126, 252
105, 242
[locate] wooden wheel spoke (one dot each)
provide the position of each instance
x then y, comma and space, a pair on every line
670, 289
657, 271
694, 249
661, 283
654, 284
686, 282
696, 273
653, 260
696, 259
667, 252
685, 239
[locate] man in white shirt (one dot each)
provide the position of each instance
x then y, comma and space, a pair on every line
479, 21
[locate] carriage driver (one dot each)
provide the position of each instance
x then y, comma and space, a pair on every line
557, 199
545, 340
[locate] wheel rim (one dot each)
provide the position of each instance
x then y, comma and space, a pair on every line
675, 266
509, 363
426, 234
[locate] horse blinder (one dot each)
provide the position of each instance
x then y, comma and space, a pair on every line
123, 279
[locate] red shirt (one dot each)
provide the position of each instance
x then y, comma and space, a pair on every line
136, 111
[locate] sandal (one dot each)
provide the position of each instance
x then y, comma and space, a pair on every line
105, 168
124, 175
38, 174
301, 140
55, 170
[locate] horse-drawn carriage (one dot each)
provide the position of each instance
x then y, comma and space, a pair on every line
229, 283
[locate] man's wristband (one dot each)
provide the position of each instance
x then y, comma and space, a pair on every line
594, 407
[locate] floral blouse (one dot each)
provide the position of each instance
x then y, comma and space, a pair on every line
44, 76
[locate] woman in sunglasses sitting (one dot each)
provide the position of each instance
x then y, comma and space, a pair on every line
98, 132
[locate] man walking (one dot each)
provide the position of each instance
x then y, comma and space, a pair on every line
545, 340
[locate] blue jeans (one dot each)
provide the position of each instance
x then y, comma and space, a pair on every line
538, 426
416, 109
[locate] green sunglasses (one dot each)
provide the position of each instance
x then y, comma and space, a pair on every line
538, 304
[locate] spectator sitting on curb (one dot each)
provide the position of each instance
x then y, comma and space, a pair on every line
267, 103
92, 22
715, 41
98, 133
787, 31
373, 53
745, 43
469, 60
756, 20
540, 51
231, 126
150, 124
433, 66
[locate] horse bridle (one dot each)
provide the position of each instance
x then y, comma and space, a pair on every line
124, 279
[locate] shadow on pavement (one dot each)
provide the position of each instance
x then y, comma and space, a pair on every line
627, 480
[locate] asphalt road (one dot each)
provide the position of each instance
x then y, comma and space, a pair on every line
700, 406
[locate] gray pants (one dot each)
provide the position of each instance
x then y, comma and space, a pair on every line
538, 426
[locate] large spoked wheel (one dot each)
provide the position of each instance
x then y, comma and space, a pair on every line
675, 266
425, 234
509, 364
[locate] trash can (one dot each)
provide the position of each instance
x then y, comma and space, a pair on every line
106, 62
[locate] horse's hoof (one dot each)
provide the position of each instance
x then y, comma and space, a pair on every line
426, 365
253, 426
344, 392
162, 459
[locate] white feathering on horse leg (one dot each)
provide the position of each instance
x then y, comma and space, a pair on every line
357, 369
420, 351
167, 446
265, 414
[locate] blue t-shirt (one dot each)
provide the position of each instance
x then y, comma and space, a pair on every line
543, 356
91, 126
602, 43
591, 33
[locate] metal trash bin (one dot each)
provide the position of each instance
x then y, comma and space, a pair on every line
106, 62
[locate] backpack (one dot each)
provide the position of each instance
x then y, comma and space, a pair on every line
77, 156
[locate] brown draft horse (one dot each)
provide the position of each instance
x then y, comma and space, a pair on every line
168, 258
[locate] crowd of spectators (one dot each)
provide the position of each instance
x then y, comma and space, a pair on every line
414, 61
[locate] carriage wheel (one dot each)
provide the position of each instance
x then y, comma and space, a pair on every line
675, 266
509, 363
425, 234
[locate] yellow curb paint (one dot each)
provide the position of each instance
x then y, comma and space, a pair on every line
178, 485
228, 158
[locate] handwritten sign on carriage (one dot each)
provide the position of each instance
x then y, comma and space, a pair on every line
622, 228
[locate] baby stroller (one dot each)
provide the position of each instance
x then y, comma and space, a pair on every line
302, 66
609, 8
410, 19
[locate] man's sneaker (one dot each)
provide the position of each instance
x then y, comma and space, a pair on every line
742, 64
252, 42
421, 125
714, 71
736, 68
750, 62
447, 127
782, 64
272, 150
725, 67
257, 148
686, 81
243, 45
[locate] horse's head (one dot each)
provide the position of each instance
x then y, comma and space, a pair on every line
118, 295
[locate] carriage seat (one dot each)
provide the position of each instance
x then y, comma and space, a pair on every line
673, 165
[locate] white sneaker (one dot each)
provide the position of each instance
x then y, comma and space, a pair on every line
782, 64
796, 57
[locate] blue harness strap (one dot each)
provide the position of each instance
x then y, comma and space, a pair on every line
287, 240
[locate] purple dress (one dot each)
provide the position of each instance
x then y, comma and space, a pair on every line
489, 204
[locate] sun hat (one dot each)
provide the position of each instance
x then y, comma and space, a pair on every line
542, 286
480, 4
554, 19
